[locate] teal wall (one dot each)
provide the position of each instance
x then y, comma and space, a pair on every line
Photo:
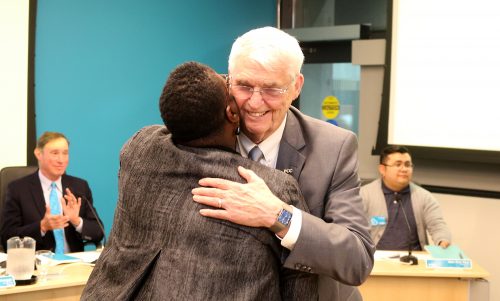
100, 66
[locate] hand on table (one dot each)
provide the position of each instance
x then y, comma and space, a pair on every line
444, 244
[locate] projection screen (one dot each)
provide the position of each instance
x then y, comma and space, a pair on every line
444, 65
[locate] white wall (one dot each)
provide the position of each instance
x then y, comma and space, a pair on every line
14, 29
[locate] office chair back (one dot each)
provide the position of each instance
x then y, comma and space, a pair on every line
7, 175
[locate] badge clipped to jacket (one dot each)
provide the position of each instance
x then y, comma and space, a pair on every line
378, 220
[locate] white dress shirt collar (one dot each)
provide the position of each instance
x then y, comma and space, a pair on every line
269, 147
46, 182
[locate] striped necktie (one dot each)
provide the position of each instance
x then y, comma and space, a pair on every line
55, 209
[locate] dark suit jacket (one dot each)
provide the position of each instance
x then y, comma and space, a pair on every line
161, 248
24, 208
334, 240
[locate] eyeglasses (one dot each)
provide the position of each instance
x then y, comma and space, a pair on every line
245, 92
400, 165
225, 77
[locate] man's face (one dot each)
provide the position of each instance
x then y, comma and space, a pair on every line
261, 115
53, 158
397, 171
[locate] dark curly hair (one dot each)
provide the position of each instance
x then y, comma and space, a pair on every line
193, 102
391, 149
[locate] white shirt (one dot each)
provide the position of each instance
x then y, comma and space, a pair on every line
46, 188
270, 148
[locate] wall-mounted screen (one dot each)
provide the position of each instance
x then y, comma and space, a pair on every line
444, 79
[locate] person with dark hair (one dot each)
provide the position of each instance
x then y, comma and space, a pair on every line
333, 239
50, 206
383, 198
191, 95
160, 247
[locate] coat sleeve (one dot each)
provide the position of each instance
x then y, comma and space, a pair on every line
13, 222
433, 219
338, 244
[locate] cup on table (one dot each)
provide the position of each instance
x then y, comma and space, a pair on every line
20, 257
43, 260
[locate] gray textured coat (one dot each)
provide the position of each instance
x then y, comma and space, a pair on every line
161, 248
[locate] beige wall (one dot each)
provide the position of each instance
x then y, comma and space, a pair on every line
474, 224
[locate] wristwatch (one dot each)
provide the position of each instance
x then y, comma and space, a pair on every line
283, 220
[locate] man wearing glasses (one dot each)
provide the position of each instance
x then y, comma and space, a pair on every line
160, 248
333, 239
396, 228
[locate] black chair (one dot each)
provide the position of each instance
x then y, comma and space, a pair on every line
7, 175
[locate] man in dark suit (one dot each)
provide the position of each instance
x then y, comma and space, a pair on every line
332, 240
160, 248
27, 210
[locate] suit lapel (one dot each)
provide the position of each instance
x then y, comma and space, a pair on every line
37, 193
66, 184
290, 160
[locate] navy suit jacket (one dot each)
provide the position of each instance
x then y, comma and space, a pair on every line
24, 208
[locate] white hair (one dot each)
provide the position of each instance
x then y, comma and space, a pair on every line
272, 49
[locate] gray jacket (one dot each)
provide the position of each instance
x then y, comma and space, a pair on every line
428, 215
334, 240
161, 248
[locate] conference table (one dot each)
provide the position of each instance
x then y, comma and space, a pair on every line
389, 280
392, 280
64, 282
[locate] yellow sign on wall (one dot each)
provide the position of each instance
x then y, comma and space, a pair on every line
330, 107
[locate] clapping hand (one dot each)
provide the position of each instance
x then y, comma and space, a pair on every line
71, 207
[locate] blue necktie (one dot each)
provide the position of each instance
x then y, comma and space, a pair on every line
55, 208
255, 154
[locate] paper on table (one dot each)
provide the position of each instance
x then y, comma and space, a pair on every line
395, 255
380, 254
451, 252
88, 257
63, 258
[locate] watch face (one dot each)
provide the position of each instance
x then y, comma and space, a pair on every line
285, 217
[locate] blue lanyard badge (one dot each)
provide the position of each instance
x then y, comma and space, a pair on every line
378, 220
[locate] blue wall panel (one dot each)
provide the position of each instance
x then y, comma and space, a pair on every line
100, 67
